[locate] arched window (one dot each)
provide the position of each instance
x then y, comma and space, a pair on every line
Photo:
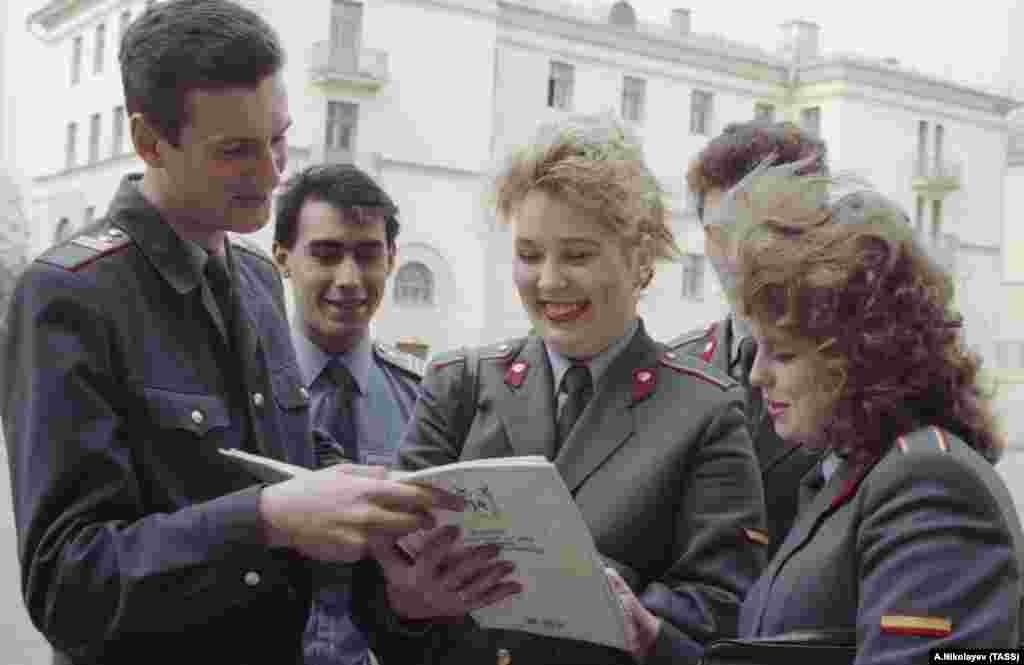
414, 285
63, 229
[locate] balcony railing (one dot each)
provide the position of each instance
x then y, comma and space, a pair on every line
329, 62
936, 178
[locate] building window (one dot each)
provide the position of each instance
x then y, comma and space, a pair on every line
70, 145
700, 112
939, 136
63, 230
764, 112
634, 92
124, 22
341, 130
922, 148
100, 50
117, 136
88, 215
936, 219
414, 285
693, 276
810, 120
919, 214
94, 138
76, 60
560, 83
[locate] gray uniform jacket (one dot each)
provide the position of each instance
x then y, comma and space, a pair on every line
659, 463
137, 540
921, 551
782, 464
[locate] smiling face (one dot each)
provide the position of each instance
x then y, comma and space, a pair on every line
577, 280
230, 156
338, 268
793, 379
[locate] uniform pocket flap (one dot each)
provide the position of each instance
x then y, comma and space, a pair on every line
288, 389
195, 413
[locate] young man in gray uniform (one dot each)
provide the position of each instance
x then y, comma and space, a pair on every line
143, 346
727, 344
334, 241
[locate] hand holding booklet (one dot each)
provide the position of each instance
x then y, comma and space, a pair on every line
523, 505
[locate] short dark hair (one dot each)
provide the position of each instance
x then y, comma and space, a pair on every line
741, 146
340, 185
184, 45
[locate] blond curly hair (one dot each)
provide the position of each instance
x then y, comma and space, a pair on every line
593, 163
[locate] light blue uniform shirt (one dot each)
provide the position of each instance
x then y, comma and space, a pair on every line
382, 405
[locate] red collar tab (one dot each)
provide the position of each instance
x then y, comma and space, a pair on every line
709, 346
644, 380
850, 485
516, 373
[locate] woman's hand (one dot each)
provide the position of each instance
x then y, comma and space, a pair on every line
444, 579
641, 626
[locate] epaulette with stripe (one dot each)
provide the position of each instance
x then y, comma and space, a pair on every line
502, 350
691, 337
928, 439
688, 364
400, 359
80, 251
446, 358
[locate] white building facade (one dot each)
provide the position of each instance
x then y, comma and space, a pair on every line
428, 95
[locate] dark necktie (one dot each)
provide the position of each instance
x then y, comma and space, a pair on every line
344, 420
219, 279
577, 386
744, 361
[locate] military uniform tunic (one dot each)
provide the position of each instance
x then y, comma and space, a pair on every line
659, 463
137, 540
782, 464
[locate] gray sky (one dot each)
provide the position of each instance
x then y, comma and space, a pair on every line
947, 39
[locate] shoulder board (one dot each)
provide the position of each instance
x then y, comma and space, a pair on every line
687, 364
400, 359
691, 337
249, 247
82, 250
446, 358
927, 439
502, 350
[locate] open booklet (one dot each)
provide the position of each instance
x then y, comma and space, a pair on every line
523, 505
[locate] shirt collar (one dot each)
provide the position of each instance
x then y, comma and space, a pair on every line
599, 364
830, 464
313, 360
739, 330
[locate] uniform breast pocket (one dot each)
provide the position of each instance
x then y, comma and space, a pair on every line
289, 392
198, 414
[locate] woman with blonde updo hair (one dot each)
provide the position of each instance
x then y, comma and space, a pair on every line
652, 446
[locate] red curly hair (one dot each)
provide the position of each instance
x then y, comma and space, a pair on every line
880, 313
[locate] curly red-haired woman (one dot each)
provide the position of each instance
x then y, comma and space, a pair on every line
906, 534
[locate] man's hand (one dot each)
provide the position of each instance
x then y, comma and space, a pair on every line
641, 626
333, 513
445, 579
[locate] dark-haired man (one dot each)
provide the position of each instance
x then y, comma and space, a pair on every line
723, 164
150, 341
334, 241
